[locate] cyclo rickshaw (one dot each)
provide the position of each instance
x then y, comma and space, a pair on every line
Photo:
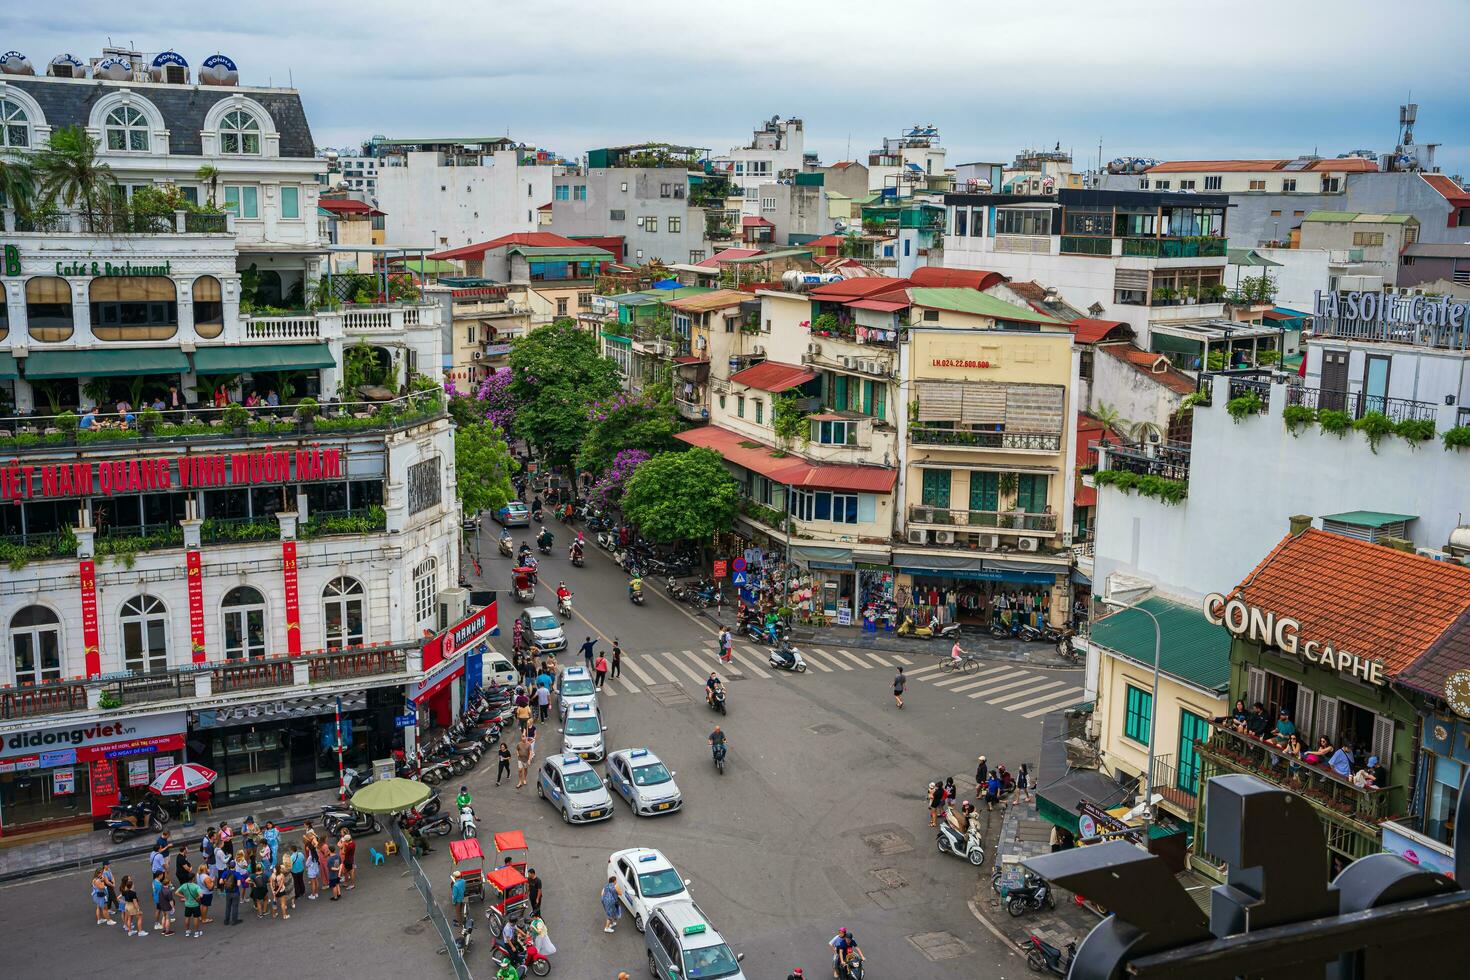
521, 583
469, 861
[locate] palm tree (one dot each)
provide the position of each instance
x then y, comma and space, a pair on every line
1108, 416
71, 173
210, 175
1146, 432
18, 183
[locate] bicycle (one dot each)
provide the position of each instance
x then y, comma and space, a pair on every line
966, 664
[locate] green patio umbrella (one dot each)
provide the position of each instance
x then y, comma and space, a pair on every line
390, 795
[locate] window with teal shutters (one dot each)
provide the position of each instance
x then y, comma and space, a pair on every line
1031, 492
1192, 728
985, 491
936, 488
1138, 714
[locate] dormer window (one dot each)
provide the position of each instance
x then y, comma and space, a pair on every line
127, 129
239, 132
15, 125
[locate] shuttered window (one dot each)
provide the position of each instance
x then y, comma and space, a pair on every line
936, 488
1031, 492
985, 491
1138, 715
209, 310
134, 308
1013, 407
48, 309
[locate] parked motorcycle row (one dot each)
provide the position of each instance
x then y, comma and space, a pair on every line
461, 746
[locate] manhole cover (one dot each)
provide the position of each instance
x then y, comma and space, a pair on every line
939, 945
890, 877
668, 695
825, 729
887, 842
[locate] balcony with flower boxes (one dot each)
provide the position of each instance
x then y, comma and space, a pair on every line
1000, 521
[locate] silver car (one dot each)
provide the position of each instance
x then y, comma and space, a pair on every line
574, 687
542, 629
574, 788
582, 733
638, 776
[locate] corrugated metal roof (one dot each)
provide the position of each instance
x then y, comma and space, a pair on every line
1358, 217
1192, 649
1369, 518
773, 376
962, 300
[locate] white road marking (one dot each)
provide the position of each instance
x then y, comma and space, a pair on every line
678, 662
855, 660
749, 661
973, 683
1027, 692
1067, 697
631, 663
809, 655
903, 660
1020, 681
873, 656
653, 662
620, 679
828, 656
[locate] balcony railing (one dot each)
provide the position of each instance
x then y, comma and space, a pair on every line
1147, 459
282, 328
345, 664
1351, 814
1001, 520
1358, 403
118, 222
922, 435
31, 701
1174, 248
1180, 789
1079, 245
239, 530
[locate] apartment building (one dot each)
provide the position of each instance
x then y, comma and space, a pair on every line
652, 206
776, 151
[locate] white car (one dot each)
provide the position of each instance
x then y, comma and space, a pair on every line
574, 788
646, 880
582, 733
641, 778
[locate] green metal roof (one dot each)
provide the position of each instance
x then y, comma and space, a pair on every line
1193, 649
117, 362
431, 267
1359, 216
262, 357
571, 253
650, 297
1369, 518
1248, 257
960, 299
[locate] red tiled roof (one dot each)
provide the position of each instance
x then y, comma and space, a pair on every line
880, 305
338, 205
1352, 165
773, 376
1449, 653
861, 287
1089, 331
755, 221
1215, 166
790, 470
1031, 292
844, 164
531, 239
1363, 598
690, 359
713, 262
1273, 315
545, 207
936, 275
826, 241
1148, 364
1448, 189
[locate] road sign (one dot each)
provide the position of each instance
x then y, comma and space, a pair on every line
739, 578
405, 721
738, 564
719, 569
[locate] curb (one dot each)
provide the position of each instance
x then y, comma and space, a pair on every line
136, 850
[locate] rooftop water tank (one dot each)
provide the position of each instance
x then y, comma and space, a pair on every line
15, 63
67, 66
218, 70
113, 70
170, 67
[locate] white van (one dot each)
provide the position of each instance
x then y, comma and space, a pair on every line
495, 669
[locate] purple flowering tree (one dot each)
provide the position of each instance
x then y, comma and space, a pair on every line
609, 486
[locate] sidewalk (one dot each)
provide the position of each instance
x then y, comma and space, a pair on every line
90, 847
1023, 835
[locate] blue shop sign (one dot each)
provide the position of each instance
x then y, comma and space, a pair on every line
983, 575
1447, 737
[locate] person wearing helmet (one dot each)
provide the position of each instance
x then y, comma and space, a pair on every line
839, 944
463, 799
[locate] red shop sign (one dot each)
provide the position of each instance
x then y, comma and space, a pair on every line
91, 649
108, 477
293, 608
195, 567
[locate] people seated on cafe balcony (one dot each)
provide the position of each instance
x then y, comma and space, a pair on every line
88, 420
1321, 753
1236, 719
1255, 722
1293, 752
1380, 774
1285, 728
1365, 778
1342, 762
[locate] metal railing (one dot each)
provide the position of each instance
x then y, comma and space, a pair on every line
432, 911
1321, 785
1179, 788
346, 663
1170, 462
1359, 403
922, 435
1174, 248
252, 675
117, 221
1080, 245
1240, 387
1007, 520
166, 685
31, 701
240, 530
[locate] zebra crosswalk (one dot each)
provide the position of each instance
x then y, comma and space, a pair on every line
1017, 688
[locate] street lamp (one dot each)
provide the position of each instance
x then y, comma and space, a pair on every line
1153, 709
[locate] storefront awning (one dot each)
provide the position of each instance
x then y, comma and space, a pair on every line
1060, 788
831, 559
8, 368
105, 362
263, 357
976, 569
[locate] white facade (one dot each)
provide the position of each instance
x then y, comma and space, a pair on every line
779, 145
1247, 479
431, 204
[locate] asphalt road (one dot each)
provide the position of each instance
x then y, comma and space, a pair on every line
817, 822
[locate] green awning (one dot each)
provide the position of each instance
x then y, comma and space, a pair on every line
262, 357
8, 368
105, 362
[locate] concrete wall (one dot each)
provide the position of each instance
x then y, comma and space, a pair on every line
1247, 479
1302, 272
1418, 373
431, 204
1403, 193
1131, 393
636, 193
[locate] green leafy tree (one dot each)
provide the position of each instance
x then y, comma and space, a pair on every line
645, 421
18, 183
483, 466
556, 374
789, 422
210, 175
681, 496
71, 172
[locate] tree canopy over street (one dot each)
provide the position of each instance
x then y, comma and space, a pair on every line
483, 466
556, 373
681, 496
645, 421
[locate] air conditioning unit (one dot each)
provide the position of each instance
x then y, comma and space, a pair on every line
875, 367
944, 537
1026, 544
477, 355
758, 351
990, 542
917, 536
1433, 554
700, 343
847, 362
814, 349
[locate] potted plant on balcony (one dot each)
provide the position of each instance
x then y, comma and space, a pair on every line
236, 417
149, 419
67, 422
306, 412
1165, 295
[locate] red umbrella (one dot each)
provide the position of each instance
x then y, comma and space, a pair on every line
186, 777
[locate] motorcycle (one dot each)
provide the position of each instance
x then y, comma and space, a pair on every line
131, 819
439, 823
1033, 896
966, 845
468, 830
577, 560
564, 606
1029, 633
337, 819
466, 936
1043, 956
852, 970
635, 594
1067, 651
753, 631
544, 543
716, 700
1001, 631
718, 750
787, 657
505, 546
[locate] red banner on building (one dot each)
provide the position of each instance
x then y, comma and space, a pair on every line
90, 645
293, 607
196, 603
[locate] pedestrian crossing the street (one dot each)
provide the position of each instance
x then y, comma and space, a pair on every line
1019, 688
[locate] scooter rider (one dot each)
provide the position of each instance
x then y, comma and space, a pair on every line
463, 799
711, 686
635, 586
575, 551
523, 554
562, 593
718, 742
545, 539
839, 944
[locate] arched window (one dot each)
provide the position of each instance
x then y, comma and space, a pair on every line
425, 589
35, 641
15, 125
144, 634
342, 602
48, 309
239, 132
134, 307
209, 308
127, 129
244, 610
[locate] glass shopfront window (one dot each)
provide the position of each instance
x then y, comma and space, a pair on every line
48, 309
1444, 796
35, 796
209, 307
134, 308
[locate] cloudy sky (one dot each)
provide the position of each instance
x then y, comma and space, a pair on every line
1164, 78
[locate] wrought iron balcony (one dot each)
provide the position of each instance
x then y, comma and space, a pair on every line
1000, 520
938, 436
